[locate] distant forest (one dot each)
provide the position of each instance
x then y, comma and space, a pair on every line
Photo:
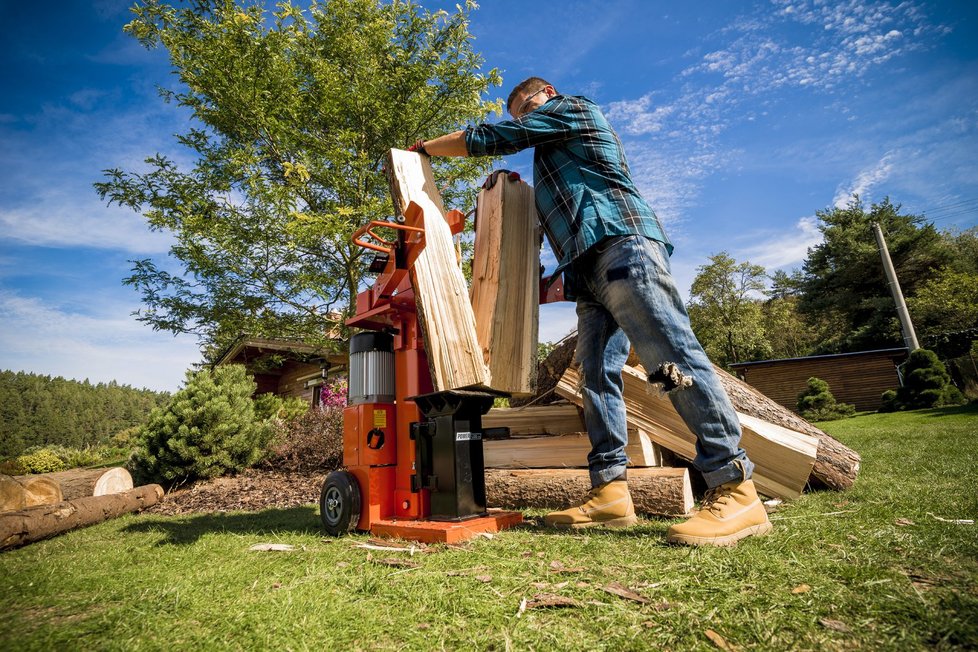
39, 410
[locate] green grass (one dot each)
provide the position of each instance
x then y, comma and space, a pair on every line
875, 559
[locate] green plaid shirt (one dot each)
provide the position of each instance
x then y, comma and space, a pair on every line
584, 192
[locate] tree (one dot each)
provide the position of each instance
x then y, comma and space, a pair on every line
726, 317
787, 333
845, 290
945, 303
817, 403
293, 112
926, 383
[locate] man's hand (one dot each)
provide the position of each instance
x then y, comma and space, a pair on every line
494, 177
418, 147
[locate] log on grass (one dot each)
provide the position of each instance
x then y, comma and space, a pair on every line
505, 288
81, 483
783, 458
41, 490
441, 294
663, 491
567, 450
36, 523
556, 419
12, 495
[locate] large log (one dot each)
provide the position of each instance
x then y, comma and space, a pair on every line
41, 490
506, 284
82, 483
567, 450
659, 491
12, 495
836, 465
36, 523
783, 458
441, 294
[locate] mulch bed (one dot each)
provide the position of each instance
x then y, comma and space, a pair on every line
251, 490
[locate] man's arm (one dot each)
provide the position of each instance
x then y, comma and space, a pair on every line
452, 144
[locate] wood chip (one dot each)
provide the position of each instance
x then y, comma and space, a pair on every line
648, 624
903, 522
616, 588
398, 563
662, 606
954, 521
836, 625
484, 578
271, 547
721, 642
801, 588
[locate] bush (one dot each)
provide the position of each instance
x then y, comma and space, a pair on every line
42, 460
926, 384
269, 406
208, 429
816, 403
314, 441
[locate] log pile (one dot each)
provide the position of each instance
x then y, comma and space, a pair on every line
35, 507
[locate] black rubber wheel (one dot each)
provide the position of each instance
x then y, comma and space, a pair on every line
339, 503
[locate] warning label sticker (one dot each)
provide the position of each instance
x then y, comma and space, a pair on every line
380, 418
468, 436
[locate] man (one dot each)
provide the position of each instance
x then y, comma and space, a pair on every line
614, 256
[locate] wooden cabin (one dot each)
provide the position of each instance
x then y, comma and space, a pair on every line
287, 367
857, 378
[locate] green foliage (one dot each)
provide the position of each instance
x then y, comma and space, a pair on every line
844, 288
816, 403
43, 460
945, 303
726, 316
269, 406
926, 382
294, 111
312, 441
208, 429
40, 410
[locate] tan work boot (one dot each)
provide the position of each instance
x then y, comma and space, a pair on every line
729, 513
608, 505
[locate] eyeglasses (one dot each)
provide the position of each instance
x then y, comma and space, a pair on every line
519, 110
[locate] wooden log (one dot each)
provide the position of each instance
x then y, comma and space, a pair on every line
556, 419
783, 458
505, 288
444, 310
569, 450
81, 483
36, 523
836, 465
41, 490
660, 491
12, 494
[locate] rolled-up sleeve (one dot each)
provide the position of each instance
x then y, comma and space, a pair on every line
548, 124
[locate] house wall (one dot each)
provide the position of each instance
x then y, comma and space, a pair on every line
289, 384
859, 380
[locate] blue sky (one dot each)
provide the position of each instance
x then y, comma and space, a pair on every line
739, 119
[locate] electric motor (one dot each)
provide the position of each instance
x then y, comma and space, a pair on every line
371, 368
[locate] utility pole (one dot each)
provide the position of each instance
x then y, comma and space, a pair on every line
909, 336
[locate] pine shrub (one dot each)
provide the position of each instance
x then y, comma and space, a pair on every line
926, 384
816, 403
208, 429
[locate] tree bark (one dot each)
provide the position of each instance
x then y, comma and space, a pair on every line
658, 491
82, 483
33, 524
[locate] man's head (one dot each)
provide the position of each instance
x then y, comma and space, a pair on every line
528, 95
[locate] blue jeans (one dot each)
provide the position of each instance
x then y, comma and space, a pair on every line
625, 291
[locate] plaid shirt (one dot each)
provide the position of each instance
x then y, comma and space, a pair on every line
584, 192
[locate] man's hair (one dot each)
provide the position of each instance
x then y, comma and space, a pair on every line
529, 84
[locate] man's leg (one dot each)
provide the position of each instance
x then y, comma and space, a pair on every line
636, 286
602, 349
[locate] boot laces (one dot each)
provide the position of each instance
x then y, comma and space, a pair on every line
715, 499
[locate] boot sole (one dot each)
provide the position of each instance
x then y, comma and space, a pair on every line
729, 540
624, 521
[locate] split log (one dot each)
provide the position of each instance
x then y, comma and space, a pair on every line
783, 458
441, 294
12, 495
81, 483
558, 451
836, 465
36, 523
658, 491
506, 285
536, 420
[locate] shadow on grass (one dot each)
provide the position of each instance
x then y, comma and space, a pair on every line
188, 529
969, 408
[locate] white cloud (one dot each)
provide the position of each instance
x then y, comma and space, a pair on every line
864, 181
103, 345
557, 320
784, 249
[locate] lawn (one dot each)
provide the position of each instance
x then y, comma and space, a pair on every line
877, 567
